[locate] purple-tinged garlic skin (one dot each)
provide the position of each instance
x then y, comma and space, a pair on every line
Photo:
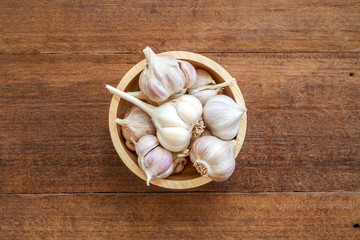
190, 73
162, 77
154, 160
213, 157
146, 144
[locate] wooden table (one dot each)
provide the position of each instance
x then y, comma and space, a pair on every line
296, 62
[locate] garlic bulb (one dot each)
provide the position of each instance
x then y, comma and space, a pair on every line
165, 76
154, 160
203, 93
173, 120
136, 123
213, 157
203, 78
222, 116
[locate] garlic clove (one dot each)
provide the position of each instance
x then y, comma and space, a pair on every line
203, 78
189, 108
174, 139
179, 167
168, 116
222, 115
180, 160
213, 157
130, 145
162, 77
135, 124
190, 73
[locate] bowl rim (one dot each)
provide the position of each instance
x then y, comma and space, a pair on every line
115, 134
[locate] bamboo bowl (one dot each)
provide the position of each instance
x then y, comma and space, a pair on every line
188, 178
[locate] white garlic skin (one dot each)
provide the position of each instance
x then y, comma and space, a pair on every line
162, 77
213, 157
154, 160
135, 124
188, 107
222, 115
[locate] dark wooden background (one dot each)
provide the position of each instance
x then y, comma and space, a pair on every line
296, 62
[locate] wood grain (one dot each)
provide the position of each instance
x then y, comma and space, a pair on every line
303, 123
198, 26
180, 216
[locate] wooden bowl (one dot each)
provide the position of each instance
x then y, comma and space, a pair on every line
189, 178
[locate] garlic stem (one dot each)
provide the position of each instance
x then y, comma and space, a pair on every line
148, 54
213, 87
148, 177
149, 109
122, 121
138, 95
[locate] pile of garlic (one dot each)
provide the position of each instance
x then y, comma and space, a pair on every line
179, 114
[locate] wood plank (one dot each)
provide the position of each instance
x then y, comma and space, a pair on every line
303, 123
200, 26
180, 216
